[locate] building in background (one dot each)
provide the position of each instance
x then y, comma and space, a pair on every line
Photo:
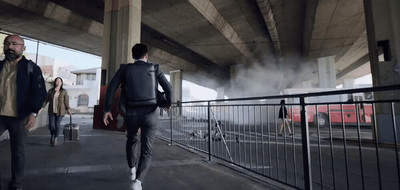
83, 86
85, 94
53, 68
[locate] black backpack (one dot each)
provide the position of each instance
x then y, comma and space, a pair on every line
140, 84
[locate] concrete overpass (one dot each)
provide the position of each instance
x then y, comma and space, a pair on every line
216, 43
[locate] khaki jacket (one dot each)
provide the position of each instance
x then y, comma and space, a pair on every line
31, 90
63, 102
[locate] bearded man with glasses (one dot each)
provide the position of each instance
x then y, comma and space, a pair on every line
22, 93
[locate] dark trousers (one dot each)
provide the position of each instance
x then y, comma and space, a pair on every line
148, 126
16, 129
54, 124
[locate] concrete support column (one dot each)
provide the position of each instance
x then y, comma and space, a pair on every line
122, 20
121, 30
348, 83
383, 26
306, 84
176, 82
326, 72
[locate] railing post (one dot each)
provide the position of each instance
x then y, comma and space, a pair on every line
170, 122
305, 145
209, 129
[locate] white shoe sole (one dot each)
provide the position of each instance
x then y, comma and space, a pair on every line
132, 173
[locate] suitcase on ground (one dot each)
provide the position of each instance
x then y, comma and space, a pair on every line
71, 131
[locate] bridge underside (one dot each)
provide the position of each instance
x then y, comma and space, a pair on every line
214, 42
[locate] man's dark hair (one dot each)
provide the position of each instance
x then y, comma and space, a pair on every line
139, 51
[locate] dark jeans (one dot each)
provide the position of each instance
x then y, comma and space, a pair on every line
16, 129
54, 124
148, 126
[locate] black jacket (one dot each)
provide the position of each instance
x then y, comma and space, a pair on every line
119, 79
31, 89
283, 113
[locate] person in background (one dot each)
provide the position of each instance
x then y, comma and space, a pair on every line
59, 103
283, 115
139, 83
22, 92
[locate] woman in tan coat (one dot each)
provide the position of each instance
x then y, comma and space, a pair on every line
58, 100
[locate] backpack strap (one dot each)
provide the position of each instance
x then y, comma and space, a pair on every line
30, 66
1, 64
122, 67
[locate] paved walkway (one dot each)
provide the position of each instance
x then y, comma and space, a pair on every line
97, 162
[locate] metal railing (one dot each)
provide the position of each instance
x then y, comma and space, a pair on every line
337, 142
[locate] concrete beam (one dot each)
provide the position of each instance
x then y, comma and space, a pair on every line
357, 51
49, 22
337, 25
191, 72
207, 9
268, 16
309, 19
174, 62
181, 54
353, 66
60, 14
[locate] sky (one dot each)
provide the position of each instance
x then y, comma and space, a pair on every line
367, 79
78, 59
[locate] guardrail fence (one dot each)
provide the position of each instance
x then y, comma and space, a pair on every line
344, 139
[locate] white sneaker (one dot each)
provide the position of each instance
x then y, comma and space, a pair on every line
137, 185
132, 173
55, 141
